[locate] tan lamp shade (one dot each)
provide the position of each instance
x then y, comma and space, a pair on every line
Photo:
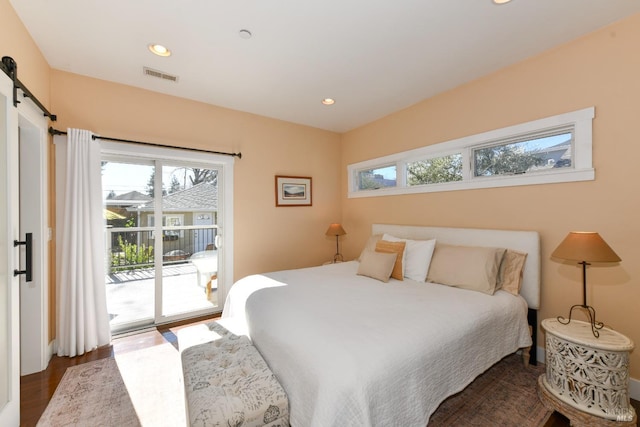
335, 230
585, 246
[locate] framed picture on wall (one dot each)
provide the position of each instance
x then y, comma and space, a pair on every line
293, 190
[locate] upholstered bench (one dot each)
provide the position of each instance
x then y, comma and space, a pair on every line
227, 382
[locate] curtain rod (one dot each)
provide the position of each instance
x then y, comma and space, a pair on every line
53, 131
10, 68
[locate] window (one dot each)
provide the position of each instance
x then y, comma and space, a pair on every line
435, 170
374, 179
534, 153
549, 150
174, 220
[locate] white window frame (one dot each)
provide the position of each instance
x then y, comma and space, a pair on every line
581, 170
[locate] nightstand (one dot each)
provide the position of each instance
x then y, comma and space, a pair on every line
587, 378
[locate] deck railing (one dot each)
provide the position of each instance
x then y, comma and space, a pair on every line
134, 247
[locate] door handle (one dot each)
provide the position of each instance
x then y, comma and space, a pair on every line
28, 243
217, 241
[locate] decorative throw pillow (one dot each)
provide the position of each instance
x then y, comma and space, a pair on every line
393, 247
468, 267
370, 245
417, 256
511, 271
377, 265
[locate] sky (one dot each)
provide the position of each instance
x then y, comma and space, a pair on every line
124, 177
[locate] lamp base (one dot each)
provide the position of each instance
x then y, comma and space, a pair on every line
337, 258
595, 325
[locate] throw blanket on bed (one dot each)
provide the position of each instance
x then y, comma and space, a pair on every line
353, 351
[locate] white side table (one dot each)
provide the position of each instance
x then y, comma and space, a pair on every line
587, 373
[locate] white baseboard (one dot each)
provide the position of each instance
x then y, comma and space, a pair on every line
634, 384
50, 348
50, 351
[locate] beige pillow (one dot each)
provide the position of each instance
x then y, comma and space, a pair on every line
468, 267
393, 247
370, 245
377, 265
511, 271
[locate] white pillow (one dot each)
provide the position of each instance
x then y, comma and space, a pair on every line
416, 258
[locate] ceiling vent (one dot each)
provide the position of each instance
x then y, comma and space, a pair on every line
159, 74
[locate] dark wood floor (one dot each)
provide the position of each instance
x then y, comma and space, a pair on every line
37, 389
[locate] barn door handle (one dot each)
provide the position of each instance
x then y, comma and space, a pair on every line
28, 271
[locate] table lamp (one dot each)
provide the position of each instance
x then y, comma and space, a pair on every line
336, 230
585, 247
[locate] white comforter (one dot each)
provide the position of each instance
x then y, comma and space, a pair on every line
353, 351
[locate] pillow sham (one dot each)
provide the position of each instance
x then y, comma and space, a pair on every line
417, 256
468, 267
511, 271
393, 247
370, 245
377, 265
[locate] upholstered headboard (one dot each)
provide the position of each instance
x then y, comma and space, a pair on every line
524, 241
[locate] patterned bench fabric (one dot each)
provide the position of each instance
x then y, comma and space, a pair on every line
228, 383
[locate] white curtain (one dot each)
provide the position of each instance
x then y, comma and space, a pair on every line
83, 321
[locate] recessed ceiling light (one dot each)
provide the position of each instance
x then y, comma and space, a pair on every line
501, 1
245, 34
159, 50
328, 101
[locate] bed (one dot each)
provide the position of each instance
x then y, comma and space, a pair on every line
350, 350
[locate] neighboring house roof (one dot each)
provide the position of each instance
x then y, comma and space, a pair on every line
563, 146
200, 197
558, 155
128, 199
566, 146
131, 195
384, 182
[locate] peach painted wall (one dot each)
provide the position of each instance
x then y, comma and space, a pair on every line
266, 238
602, 70
15, 41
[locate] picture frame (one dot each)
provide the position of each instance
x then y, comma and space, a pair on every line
293, 191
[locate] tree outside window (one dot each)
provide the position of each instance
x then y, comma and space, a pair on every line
435, 171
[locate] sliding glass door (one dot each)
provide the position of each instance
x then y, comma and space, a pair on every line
130, 279
189, 224
164, 248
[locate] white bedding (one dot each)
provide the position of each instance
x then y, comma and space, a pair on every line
353, 351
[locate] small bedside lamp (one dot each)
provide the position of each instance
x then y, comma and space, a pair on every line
336, 230
585, 247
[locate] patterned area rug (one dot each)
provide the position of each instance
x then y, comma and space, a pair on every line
141, 388
505, 395
144, 388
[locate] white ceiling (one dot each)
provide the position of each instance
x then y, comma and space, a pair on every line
373, 56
